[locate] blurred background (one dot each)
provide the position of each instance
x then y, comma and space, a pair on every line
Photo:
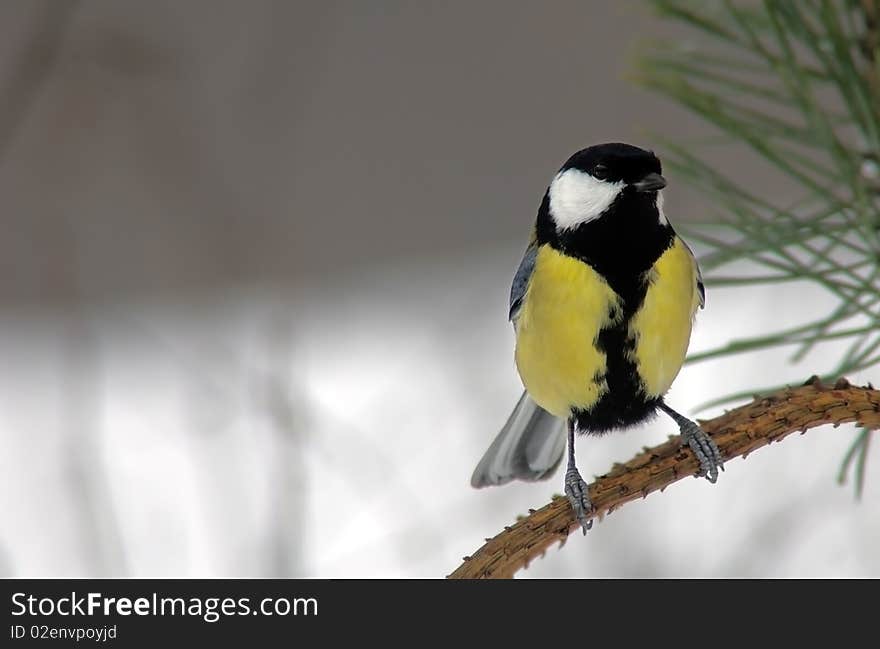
255, 261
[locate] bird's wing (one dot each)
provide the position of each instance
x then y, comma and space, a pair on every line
521, 279
700, 286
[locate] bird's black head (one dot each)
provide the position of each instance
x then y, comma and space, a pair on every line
618, 163
605, 206
606, 181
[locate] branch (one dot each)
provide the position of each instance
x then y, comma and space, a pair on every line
737, 432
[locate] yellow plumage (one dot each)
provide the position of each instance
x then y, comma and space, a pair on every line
568, 303
662, 326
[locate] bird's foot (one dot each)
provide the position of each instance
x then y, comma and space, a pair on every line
704, 448
579, 497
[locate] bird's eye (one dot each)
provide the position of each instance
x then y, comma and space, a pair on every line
600, 171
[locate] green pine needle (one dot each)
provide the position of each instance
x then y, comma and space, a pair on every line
797, 83
857, 453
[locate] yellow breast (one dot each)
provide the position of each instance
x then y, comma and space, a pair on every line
662, 326
565, 306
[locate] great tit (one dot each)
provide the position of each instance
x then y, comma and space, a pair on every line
602, 305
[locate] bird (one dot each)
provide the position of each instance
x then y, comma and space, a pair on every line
602, 305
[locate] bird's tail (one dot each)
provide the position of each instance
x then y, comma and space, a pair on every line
529, 447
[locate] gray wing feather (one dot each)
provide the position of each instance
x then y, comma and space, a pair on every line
529, 447
700, 286
521, 280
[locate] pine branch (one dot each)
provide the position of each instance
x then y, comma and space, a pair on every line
737, 432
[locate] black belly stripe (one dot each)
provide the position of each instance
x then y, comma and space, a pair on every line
625, 402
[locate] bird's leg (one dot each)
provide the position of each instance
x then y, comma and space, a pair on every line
700, 443
575, 487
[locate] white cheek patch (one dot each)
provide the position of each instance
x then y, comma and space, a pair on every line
662, 216
576, 197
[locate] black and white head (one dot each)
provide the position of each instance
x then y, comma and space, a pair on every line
605, 207
602, 179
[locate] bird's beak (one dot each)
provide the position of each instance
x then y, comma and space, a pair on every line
650, 183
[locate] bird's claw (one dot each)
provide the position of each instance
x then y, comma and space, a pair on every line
579, 497
705, 449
